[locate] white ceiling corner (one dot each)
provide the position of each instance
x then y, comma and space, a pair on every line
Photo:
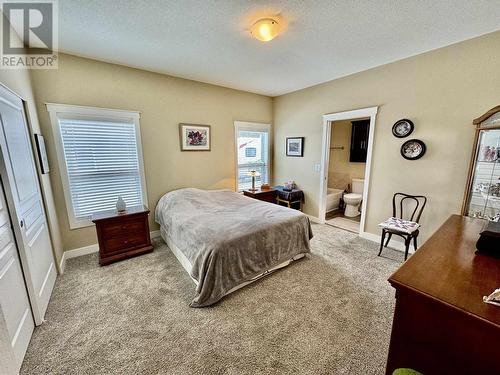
209, 40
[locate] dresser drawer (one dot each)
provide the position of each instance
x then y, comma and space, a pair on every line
124, 242
123, 227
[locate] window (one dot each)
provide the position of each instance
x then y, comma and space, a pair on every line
252, 151
100, 159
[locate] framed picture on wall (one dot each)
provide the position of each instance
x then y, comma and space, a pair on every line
194, 137
295, 146
42, 153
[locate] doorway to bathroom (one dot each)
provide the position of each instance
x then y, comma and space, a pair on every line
345, 168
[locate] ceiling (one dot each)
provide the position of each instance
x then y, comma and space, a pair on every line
209, 40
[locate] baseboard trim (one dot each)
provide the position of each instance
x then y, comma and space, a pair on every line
394, 244
74, 253
315, 219
62, 263
85, 250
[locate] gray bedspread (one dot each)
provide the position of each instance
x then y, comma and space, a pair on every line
230, 238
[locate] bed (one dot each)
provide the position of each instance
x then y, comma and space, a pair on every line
225, 240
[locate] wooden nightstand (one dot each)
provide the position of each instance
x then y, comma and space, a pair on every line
262, 195
122, 235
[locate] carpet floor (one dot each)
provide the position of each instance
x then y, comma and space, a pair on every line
330, 313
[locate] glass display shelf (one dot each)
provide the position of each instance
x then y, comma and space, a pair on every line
484, 197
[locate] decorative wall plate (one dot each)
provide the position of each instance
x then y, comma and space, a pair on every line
402, 128
413, 149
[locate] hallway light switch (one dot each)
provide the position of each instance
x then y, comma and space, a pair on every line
317, 167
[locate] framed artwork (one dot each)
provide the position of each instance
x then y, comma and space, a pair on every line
295, 146
402, 128
194, 137
413, 149
42, 153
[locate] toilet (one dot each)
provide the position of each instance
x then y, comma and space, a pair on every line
353, 200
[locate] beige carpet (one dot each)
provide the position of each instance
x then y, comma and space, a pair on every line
329, 314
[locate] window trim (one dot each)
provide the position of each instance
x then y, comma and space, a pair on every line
58, 111
252, 126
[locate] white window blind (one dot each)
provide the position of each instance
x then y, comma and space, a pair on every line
102, 164
252, 147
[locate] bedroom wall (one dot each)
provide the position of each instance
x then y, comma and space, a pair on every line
340, 170
441, 92
164, 102
19, 81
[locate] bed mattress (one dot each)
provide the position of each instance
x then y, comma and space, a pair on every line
227, 239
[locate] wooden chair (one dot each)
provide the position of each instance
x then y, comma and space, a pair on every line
419, 201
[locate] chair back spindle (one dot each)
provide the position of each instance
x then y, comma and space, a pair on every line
419, 202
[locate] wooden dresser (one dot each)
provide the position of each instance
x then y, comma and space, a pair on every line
122, 235
441, 324
262, 195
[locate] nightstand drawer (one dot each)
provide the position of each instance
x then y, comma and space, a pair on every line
119, 228
122, 243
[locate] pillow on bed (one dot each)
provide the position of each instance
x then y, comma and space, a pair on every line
400, 225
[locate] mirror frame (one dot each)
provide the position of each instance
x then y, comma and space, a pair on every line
478, 127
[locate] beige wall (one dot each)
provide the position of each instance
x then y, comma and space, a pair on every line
19, 81
340, 170
164, 102
440, 91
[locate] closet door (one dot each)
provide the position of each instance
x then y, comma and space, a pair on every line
20, 181
14, 303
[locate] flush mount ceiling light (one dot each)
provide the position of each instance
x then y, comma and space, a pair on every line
265, 29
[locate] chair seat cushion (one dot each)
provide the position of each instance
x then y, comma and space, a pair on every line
400, 225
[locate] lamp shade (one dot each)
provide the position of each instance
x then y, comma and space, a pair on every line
254, 173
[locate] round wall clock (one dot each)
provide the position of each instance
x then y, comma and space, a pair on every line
402, 128
413, 149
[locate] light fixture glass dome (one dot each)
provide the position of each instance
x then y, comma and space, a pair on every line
265, 29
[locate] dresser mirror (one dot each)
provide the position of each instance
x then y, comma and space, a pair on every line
482, 196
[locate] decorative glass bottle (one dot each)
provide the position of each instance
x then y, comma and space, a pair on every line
121, 206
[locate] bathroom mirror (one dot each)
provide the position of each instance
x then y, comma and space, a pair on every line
482, 194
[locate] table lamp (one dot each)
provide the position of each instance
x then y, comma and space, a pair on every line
254, 174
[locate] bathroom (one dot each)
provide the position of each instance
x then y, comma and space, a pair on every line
346, 172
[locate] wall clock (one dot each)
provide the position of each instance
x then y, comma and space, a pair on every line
413, 149
402, 128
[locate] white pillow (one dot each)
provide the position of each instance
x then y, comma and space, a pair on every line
400, 225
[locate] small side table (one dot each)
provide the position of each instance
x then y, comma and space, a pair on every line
122, 235
292, 198
268, 195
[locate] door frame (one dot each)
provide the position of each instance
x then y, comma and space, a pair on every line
370, 112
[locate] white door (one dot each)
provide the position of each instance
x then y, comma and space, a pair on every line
14, 303
22, 192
